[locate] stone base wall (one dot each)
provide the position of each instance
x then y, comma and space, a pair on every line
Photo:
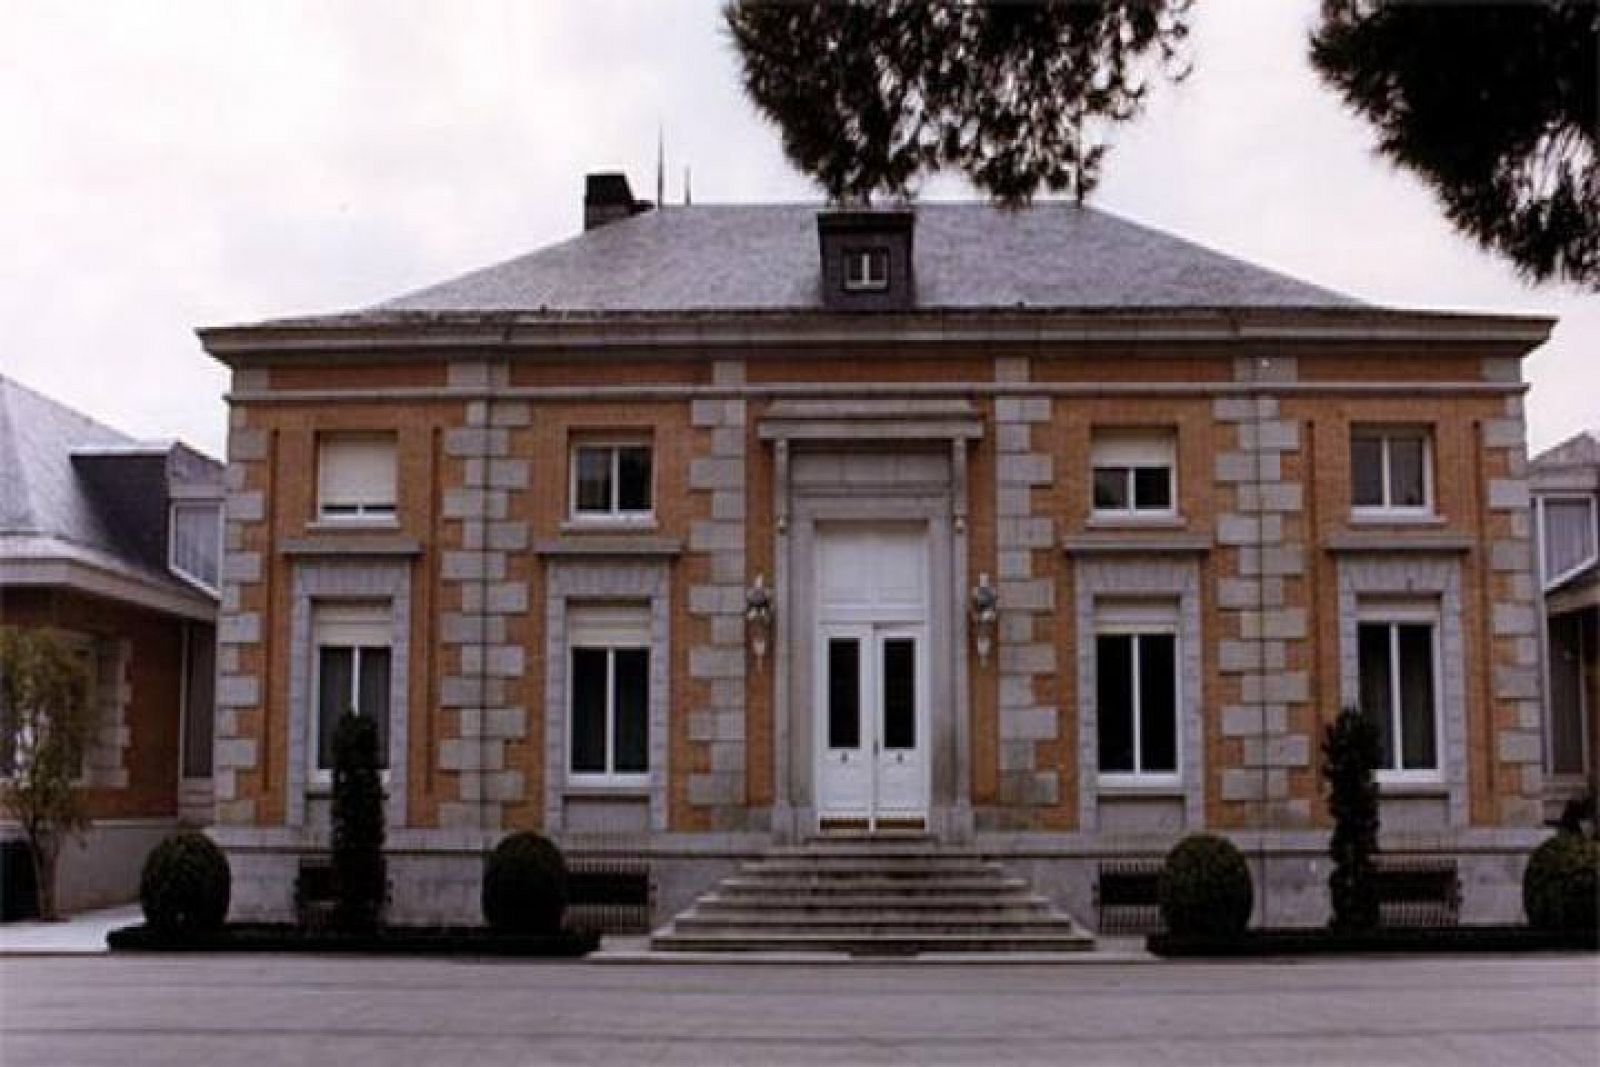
102, 868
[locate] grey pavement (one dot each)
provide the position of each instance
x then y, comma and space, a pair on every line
262, 1010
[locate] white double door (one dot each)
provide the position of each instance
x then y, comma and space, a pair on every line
871, 676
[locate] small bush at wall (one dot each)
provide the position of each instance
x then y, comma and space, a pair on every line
1204, 889
1561, 887
185, 886
525, 885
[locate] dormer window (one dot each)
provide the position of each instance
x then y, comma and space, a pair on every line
866, 269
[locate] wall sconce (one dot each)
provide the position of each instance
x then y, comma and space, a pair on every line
985, 610
758, 616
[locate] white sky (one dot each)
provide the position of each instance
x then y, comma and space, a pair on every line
167, 165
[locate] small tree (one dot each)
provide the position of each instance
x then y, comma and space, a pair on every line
360, 876
45, 720
1350, 754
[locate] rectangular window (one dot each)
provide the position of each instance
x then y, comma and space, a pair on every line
1568, 535
866, 269
195, 542
1572, 645
356, 477
1134, 472
352, 665
1399, 690
1391, 470
612, 481
1136, 695
199, 703
610, 692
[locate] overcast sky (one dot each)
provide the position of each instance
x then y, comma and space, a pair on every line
167, 165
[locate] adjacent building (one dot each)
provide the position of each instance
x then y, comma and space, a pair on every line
1566, 487
1041, 532
117, 543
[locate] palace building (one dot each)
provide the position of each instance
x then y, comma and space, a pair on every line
1036, 535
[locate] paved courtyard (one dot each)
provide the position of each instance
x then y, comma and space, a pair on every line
263, 1010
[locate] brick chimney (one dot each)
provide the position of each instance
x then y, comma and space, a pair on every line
607, 198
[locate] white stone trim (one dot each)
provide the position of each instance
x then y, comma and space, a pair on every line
1099, 580
1408, 577
315, 580
570, 580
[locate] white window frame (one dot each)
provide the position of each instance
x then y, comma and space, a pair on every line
627, 629
614, 514
1128, 449
1393, 617
1540, 501
356, 634
172, 541
858, 269
376, 512
1384, 434
1138, 621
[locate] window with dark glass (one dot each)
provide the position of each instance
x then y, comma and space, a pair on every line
899, 693
611, 481
199, 704
610, 710
866, 268
844, 692
351, 678
1398, 692
1389, 469
1133, 472
1136, 703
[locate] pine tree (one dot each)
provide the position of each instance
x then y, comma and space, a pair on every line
360, 873
1350, 755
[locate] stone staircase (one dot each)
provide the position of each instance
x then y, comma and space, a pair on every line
872, 895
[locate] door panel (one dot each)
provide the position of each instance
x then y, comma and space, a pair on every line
871, 688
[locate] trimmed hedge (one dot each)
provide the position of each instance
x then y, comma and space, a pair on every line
397, 941
1561, 886
185, 885
525, 885
1315, 941
1205, 889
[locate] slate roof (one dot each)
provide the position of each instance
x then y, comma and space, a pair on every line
48, 510
764, 257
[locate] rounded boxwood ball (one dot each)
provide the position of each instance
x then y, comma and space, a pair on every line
1561, 887
1205, 889
185, 885
525, 885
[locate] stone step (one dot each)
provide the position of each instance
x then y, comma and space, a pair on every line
884, 920
874, 866
848, 888
1018, 903
874, 944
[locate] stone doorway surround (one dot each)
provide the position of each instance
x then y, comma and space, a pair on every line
871, 460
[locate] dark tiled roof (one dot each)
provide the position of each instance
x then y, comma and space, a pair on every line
761, 257
49, 510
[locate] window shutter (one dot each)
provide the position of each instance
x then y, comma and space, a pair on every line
358, 469
1133, 448
608, 625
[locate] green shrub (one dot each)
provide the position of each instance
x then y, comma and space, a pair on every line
1351, 750
185, 885
525, 885
360, 873
1561, 887
1204, 889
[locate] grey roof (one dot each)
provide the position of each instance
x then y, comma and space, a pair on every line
50, 506
764, 257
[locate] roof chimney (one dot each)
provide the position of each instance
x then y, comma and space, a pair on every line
607, 198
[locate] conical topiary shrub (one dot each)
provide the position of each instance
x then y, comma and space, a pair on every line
185, 885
